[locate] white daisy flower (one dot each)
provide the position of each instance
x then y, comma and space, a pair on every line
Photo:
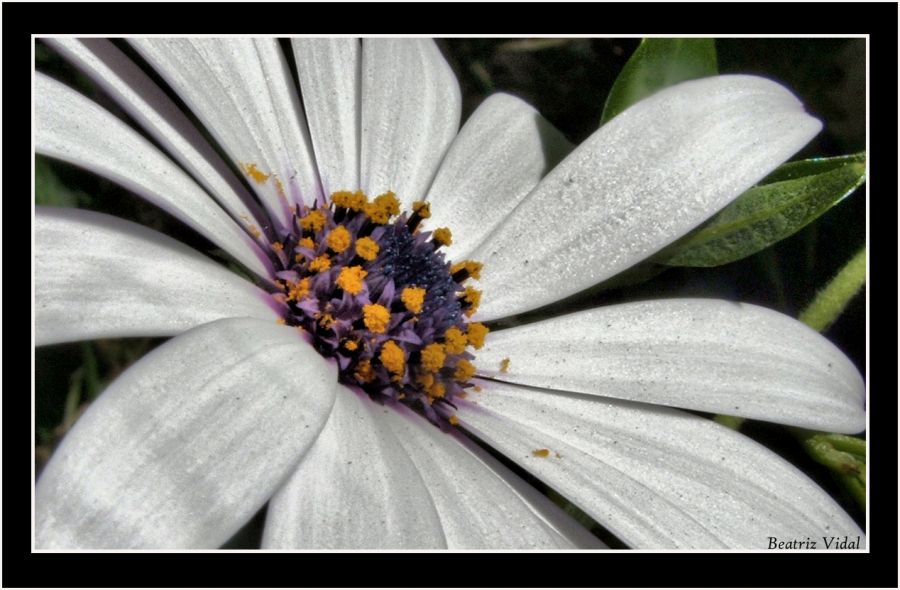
343, 386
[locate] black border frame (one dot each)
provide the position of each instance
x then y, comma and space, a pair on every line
878, 568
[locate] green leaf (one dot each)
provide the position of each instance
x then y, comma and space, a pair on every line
656, 64
790, 198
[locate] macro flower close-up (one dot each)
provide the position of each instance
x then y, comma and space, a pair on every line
359, 346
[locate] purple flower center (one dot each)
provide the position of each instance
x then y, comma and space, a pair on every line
376, 294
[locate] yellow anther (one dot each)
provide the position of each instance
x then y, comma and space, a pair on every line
413, 298
367, 248
351, 345
453, 420
425, 380
376, 214
342, 198
476, 333
464, 370
255, 173
437, 390
277, 246
433, 357
314, 220
442, 236
306, 243
298, 290
473, 298
422, 209
376, 318
339, 239
391, 357
454, 340
358, 201
364, 372
472, 268
320, 263
351, 279
298, 258
388, 202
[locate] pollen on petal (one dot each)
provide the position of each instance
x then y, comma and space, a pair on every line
433, 357
504, 366
351, 279
391, 357
442, 236
454, 340
476, 333
376, 318
542, 453
255, 173
453, 420
277, 246
367, 248
320, 263
413, 298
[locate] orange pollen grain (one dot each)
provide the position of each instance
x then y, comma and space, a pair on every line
476, 333
376, 318
413, 298
320, 263
454, 340
351, 279
391, 357
367, 248
433, 357
339, 239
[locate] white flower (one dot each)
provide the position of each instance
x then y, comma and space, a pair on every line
236, 410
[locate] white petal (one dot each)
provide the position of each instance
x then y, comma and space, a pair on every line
70, 127
655, 477
641, 181
478, 507
134, 91
243, 92
355, 489
186, 445
500, 154
411, 107
329, 73
98, 276
708, 355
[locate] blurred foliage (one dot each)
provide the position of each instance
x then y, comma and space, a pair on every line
568, 81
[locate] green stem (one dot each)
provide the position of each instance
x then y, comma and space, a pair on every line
732, 422
844, 455
831, 301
